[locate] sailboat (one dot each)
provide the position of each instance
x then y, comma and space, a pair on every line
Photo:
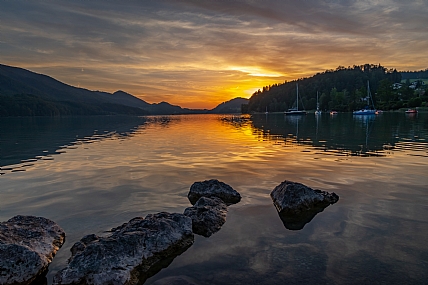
367, 111
295, 111
318, 112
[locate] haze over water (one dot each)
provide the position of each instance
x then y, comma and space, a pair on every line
90, 174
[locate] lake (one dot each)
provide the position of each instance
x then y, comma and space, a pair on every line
90, 174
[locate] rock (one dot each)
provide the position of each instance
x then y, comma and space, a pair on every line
295, 197
208, 215
27, 246
213, 188
130, 253
298, 204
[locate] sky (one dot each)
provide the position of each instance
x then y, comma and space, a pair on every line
200, 53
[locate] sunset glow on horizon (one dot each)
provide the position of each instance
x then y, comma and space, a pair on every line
198, 54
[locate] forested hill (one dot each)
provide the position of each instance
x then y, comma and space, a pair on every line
343, 89
422, 74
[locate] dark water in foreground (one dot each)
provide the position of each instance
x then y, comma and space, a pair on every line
90, 174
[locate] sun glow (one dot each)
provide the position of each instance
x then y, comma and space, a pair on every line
255, 71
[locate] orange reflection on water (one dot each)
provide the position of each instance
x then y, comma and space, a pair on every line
100, 181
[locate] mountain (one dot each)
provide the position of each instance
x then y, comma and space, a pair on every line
231, 106
25, 93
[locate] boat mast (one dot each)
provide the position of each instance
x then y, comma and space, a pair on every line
318, 104
370, 95
297, 96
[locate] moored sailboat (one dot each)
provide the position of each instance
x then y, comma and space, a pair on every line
367, 111
318, 111
295, 111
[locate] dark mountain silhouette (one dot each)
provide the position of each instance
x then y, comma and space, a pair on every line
231, 106
15, 80
25, 93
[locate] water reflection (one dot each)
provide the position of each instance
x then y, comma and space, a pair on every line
375, 234
296, 222
344, 134
24, 140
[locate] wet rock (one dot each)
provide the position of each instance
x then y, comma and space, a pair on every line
213, 188
208, 215
295, 197
130, 253
298, 204
27, 246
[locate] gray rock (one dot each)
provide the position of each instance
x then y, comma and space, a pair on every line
213, 188
208, 215
298, 204
130, 253
291, 197
27, 246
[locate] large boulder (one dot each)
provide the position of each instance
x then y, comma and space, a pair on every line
213, 188
130, 253
208, 215
298, 204
27, 246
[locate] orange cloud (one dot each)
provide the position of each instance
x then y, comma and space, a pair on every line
201, 53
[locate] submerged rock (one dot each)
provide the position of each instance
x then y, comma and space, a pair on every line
298, 204
208, 215
130, 253
213, 188
27, 246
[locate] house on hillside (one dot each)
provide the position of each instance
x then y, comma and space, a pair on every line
397, 86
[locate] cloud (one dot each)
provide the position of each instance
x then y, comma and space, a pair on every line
184, 50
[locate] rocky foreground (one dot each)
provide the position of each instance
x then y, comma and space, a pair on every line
140, 247
297, 204
124, 256
208, 215
27, 246
210, 199
213, 188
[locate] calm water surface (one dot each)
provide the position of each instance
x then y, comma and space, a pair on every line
90, 174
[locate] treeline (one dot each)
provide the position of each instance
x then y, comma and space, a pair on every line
422, 74
342, 89
32, 105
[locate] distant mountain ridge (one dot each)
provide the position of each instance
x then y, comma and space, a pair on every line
231, 106
23, 92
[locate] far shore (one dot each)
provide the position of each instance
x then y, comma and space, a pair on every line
401, 110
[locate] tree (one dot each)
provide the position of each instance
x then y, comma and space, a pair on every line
385, 90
